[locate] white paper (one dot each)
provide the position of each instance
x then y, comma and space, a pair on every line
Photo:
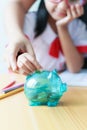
75, 79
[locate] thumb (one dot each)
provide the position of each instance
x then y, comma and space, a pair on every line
30, 50
32, 53
12, 58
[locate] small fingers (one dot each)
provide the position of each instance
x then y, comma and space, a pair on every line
33, 61
26, 64
23, 69
76, 11
23, 61
79, 9
73, 12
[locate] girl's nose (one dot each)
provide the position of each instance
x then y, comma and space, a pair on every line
63, 4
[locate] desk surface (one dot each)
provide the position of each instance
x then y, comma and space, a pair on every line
70, 114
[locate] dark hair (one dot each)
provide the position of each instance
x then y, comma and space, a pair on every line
84, 16
41, 19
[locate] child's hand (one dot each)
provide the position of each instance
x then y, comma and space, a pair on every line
19, 43
25, 64
73, 12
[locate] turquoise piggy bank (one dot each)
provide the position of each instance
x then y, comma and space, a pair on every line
44, 88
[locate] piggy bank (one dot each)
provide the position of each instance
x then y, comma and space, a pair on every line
44, 88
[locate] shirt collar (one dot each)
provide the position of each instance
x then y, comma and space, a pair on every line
48, 35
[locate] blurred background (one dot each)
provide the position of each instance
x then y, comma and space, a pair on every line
3, 38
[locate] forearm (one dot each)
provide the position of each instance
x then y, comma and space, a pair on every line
14, 17
74, 59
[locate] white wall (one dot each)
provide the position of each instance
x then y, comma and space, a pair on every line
2, 29
3, 39
35, 6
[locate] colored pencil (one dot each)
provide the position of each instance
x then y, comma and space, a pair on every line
12, 88
9, 85
4, 95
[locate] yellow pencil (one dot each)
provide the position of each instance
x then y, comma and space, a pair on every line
4, 95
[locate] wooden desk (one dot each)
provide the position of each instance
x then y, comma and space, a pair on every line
70, 114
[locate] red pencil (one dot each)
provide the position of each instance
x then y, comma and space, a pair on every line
9, 85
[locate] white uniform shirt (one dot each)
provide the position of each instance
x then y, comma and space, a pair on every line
42, 43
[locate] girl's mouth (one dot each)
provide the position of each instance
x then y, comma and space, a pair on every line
62, 14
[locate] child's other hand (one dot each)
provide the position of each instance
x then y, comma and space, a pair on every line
26, 64
73, 12
17, 44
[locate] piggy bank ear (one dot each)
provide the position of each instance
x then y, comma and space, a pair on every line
34, 75
28, 77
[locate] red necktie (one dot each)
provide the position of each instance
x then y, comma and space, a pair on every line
55, 47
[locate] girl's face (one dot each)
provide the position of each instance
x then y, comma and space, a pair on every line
56, 8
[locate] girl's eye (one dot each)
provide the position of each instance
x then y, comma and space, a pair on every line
77, 1
55, 1
82, 2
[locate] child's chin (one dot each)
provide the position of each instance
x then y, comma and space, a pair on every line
58, 17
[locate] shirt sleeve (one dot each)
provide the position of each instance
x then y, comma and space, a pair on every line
29, 25
78, 34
